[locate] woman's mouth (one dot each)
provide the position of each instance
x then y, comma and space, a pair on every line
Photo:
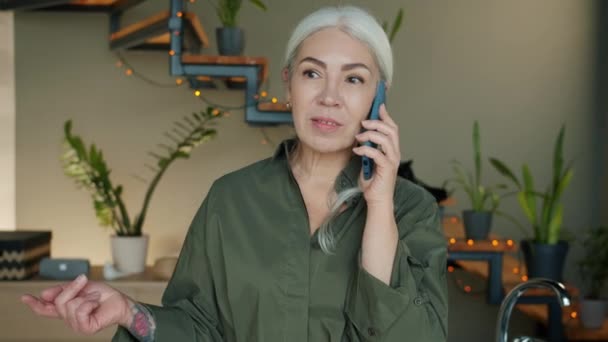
325, 125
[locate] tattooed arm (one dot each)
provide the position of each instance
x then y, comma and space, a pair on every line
141, 323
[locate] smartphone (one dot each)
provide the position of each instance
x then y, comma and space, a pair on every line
374, 114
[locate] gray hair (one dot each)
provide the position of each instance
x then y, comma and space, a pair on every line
352, 20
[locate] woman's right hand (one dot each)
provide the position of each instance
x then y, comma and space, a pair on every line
85, 306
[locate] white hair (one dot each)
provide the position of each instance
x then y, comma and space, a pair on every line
353, 21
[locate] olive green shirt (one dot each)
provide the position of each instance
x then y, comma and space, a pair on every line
249, 269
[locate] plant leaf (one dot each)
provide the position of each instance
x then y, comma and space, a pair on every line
505, 171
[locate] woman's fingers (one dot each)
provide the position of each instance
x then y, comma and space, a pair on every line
40, 307
51, 293
86, 321
384, 128
68, 293
384, 141
73, 306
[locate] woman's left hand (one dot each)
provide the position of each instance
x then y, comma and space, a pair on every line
379, 189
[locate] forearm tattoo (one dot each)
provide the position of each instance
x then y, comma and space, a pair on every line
143, 325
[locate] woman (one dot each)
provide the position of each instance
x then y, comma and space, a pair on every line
299, 247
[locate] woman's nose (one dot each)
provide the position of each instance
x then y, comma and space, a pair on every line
330, 95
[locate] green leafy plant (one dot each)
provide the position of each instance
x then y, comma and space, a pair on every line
482, 198
594, 263
394, 27
86, 165
546, 222
227, 10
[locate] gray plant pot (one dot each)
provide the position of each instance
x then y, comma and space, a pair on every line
230, 41
477, 224
543, 260
593, 312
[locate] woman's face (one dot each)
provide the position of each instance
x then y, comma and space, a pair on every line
331, 89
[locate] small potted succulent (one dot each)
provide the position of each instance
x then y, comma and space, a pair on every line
87, 167
230, 37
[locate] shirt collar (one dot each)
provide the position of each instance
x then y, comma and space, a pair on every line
348, 177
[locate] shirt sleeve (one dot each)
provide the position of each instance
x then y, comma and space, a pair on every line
415, 303
189, 311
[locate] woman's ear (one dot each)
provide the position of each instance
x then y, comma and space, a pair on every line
386, 86
285, 78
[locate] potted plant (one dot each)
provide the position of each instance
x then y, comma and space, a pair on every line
546, 251
86, 165
230, 38
484, 200
594, 272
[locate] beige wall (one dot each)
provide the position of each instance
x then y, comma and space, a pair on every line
521, 68
7, 123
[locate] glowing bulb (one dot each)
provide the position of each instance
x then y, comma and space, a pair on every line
494, 243
450, 268
467, 289
470, 242
171, 53
129, 72
264, 142
454, 220
452, 241
574, 314
263, 94
119, 64
510, 242
515, 270
179, 81
524, 278
215, 112
274, 100
180, 14
197, 93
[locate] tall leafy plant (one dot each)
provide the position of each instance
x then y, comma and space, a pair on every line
396, 25
88, 168
545, 215
482, 198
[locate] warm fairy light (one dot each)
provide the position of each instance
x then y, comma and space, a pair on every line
192, 1
515, 270
274, 100
171, 53
494, 243
119, 64
197, 93
263, 93
574, 314
452, 241
510, 242
470, 242
129, 72
454, 219
179, 14
467, 288
524, 278
215, 112
179, 81
264, 142
450, 268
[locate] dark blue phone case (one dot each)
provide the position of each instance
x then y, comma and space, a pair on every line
374, 114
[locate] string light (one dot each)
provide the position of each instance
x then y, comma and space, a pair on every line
171, 53
179, 81
467, 288
180, 14
274, 100
524, 278
509, 243
450, 268
470, 242
264, 142
494, 243
129, 72
197, 92
215, 112
119, 64
263, 93
573, 314
452, 241
515, 270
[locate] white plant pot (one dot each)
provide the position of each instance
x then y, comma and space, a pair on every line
592, 313
129, 253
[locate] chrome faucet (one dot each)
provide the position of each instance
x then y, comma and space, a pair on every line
508, 303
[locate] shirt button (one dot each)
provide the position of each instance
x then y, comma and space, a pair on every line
418, 301
371, 331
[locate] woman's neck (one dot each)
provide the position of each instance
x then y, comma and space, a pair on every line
315, 167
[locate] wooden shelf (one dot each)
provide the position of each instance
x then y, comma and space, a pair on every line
153, 33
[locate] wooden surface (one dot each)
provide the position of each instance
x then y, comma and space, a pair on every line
228, 60
513, 271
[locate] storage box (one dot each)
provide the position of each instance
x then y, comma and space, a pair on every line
21, 252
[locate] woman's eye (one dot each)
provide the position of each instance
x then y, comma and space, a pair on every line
310, 74
355, 80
